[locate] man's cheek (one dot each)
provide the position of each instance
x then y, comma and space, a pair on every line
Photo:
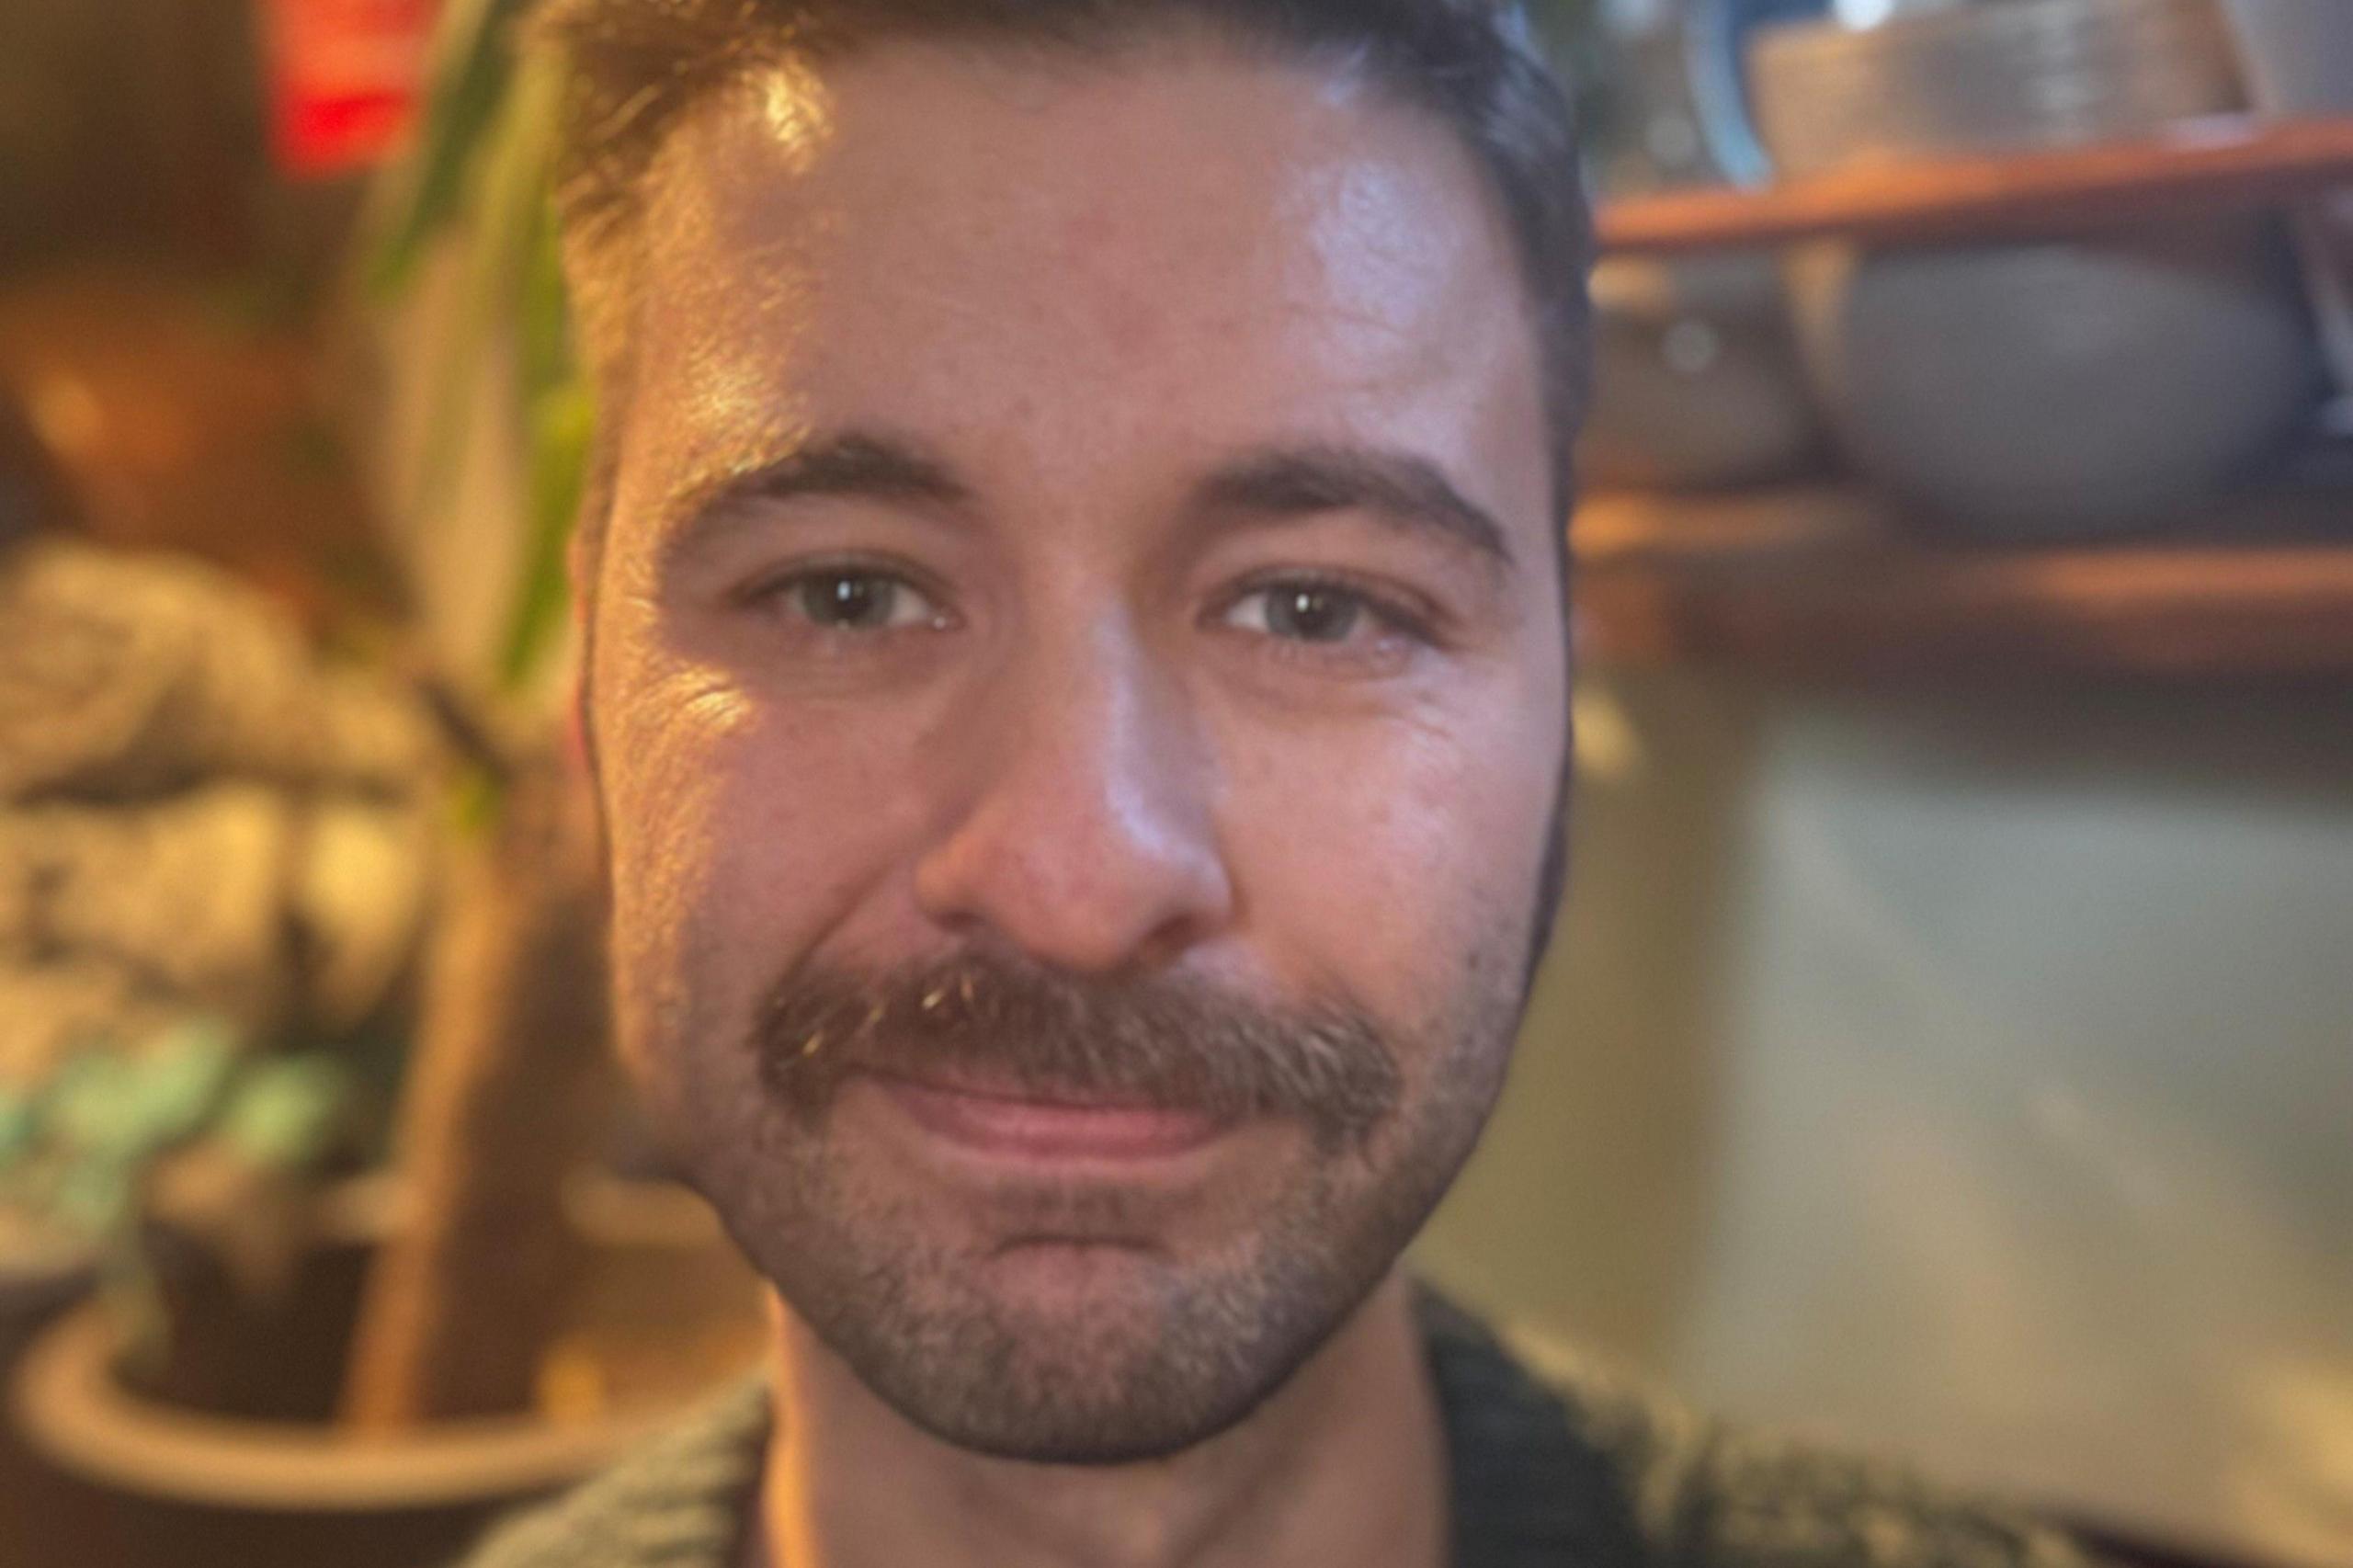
663, 737
1366, 884
660, 786
760, 832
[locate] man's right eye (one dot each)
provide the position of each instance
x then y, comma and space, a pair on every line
857, 599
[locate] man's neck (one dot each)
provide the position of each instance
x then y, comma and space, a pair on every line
1346, 1464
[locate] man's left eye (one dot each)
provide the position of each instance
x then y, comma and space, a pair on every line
1301, 612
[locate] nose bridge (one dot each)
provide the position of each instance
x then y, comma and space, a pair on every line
1113, 725
1088, 836
1100, 767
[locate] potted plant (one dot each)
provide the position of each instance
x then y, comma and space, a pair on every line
214, 878
495, 1320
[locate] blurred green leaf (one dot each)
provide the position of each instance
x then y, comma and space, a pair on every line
482, 171
563, 425
284, 1115
181, 1081
91, 1102
542, 316
506, 257
474, 45
123, 1105
97, 1197
20, 1127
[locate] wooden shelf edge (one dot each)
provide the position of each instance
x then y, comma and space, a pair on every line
2234, 163
1829, 582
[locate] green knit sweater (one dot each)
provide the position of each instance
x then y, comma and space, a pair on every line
1565, 1472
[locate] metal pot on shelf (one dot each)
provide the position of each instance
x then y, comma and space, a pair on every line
2299, 59
1697, 384
1981, 78
1697, 381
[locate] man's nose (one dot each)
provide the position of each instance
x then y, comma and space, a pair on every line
1086, 839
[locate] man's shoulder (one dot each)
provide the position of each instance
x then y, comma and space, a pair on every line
1660, 1486
677, 1500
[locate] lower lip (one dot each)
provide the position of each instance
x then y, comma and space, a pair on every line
1035, 1130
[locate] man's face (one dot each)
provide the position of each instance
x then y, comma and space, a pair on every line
1079, 686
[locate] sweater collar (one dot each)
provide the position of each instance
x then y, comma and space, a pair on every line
1524, 1492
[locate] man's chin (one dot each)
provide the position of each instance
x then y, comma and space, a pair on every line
1073, 1354
1056, 1394
1079, 1435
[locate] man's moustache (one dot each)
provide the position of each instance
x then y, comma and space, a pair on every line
1165, 1043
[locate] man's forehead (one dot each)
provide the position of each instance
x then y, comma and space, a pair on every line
923, 230
1102, 167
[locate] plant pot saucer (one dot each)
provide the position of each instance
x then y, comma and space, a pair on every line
162, 1467
71, 1404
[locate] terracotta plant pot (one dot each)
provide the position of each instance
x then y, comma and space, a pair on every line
228, 1457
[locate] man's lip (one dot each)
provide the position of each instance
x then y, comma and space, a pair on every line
1019, 1123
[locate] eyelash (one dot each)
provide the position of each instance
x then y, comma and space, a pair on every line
1392, 616
780, 590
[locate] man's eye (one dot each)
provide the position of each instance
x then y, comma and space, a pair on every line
845, 599
1301, 612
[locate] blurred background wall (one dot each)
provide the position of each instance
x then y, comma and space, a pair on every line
1967, 1073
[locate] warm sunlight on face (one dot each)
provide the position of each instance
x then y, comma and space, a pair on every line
1078, 678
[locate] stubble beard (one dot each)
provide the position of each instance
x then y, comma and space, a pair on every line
1146, 1349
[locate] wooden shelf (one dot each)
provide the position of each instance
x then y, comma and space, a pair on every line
1830, 582
2233, 163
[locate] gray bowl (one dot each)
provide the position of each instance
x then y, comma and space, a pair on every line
2059, 391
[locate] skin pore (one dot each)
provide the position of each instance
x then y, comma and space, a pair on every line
1088, 521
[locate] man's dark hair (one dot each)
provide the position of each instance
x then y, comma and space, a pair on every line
636, 67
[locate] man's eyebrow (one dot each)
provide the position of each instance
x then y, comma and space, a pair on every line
1397, 487
852, 463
